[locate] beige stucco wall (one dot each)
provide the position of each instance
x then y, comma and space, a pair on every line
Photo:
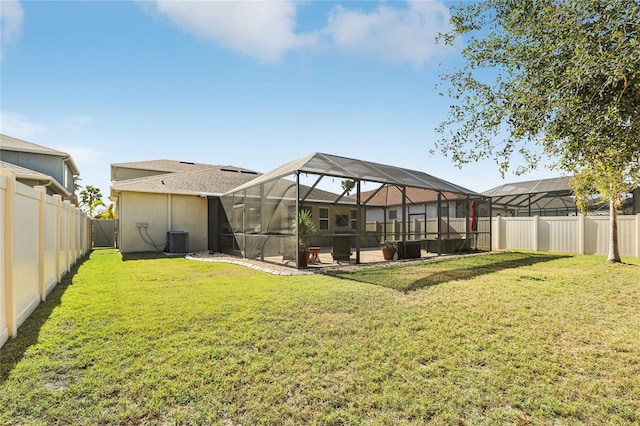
162, 213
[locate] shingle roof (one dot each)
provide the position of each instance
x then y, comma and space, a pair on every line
392, 196
13, 144
9, 143
28, 174
169, 166
23, 171
209, 180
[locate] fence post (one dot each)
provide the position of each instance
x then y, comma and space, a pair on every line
41, 237
638, 234
76, 235
9, 281
536, 227
67, 232
86, 245
58, 200
72, 240
498, 227
581, 236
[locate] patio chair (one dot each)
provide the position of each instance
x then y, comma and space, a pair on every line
341, 248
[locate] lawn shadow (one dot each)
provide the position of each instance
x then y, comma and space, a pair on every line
14, 349
490, 264
150, 255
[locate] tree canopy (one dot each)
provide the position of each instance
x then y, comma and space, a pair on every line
557, 79
89, 196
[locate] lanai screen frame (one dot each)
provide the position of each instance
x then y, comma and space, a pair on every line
541, 197
337, 167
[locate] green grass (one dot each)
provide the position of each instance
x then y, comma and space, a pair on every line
514, 338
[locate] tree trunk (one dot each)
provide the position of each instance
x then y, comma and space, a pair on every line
614, 253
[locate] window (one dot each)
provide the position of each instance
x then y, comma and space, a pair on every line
444, 210
393, 214
354, 221
323, 219
342, 219
65, 176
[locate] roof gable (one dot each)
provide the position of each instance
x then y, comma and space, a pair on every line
210, 180
8, 143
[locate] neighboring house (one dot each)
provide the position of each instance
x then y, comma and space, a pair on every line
156, 197
38, 165
386, 205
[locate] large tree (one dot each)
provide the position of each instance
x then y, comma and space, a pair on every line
557, 79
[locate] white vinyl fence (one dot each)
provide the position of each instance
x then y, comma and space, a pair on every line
42, 238
566, 234
562, 234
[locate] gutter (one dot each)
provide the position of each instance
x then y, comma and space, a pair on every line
47, 182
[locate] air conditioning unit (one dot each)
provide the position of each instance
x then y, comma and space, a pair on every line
177, 242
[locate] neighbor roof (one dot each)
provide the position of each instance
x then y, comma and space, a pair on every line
8, 143
209, 180
523, 194
392, 196
23, 173
350, 168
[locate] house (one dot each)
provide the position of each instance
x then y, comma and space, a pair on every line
39, 165
161, 199
386, 205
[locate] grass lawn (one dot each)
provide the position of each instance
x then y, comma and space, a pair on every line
514, 338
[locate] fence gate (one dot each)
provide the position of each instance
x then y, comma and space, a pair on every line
104, 232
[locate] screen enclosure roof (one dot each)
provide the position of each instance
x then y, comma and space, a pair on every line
523, 194
359, 170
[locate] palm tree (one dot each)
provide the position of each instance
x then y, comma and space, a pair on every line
89, 196
108, 213
347, 185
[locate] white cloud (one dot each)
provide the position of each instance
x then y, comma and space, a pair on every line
396, 34
11, 17
18, 126
259, 29
264, 29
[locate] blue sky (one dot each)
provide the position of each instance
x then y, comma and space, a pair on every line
251, 83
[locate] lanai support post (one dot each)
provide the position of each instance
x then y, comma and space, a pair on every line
404, 216
439, 223
298, 209
491, 225
358, 226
